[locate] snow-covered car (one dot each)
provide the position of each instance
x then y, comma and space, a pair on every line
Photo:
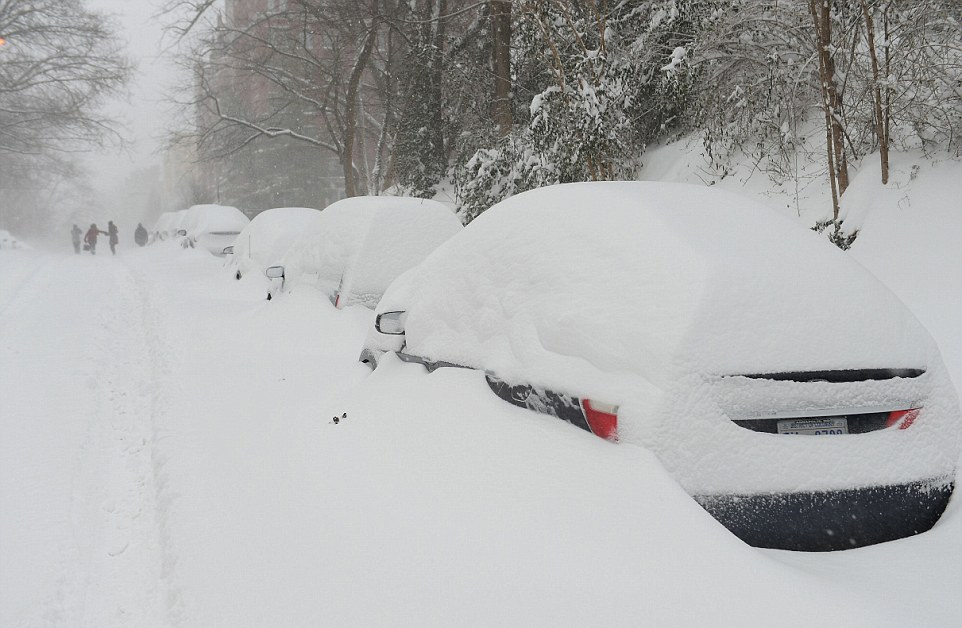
167, 225
8, 241
265, 241
789, 392
359, 246
212, 227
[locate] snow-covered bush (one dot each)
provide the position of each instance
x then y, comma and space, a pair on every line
610, 81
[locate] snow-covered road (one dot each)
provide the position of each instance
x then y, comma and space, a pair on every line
108, 368
82, 541
167, 458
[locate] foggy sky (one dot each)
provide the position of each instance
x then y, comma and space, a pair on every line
144, 113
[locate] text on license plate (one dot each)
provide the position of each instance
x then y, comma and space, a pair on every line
822, 426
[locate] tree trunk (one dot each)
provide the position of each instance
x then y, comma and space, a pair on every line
377, 176
437, 71
887, 108
831, 101
501, 64
883, 143
350, 114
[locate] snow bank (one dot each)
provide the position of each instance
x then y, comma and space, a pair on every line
806, 196
911, 238
360, 244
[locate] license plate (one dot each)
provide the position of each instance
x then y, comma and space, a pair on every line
822, 426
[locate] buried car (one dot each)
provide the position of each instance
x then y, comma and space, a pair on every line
266, 239
167, 225
8, 241
789, 392
211, 227
359, 245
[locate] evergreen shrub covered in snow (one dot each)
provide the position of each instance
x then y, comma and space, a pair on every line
608, 84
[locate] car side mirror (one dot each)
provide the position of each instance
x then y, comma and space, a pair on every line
275, 272
228, 250
391, 323
181, 232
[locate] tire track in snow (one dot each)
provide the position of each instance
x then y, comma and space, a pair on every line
50, 386
159, 355
118, 576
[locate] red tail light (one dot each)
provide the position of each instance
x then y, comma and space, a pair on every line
337, 301
602, 418
904, 418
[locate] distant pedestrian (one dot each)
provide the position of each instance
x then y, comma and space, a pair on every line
75, 234
140, 235
90, 240
112, 233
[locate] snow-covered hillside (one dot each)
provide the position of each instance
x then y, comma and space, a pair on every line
911, 238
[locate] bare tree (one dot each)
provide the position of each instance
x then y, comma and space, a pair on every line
58, 65
59, 62
311, 72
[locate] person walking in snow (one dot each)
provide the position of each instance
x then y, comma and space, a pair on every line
140, 235
75, 234
91, 238
112, 233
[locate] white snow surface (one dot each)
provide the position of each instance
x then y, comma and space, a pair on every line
171, 445
270, 234
910, 236
361, 244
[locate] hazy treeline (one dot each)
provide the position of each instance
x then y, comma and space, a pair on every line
59, 63
496, 97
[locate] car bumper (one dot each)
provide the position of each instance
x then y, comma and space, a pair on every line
831, 520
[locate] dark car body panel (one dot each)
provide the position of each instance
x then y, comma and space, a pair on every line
831, 520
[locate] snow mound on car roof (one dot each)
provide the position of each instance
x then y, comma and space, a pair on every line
270, 234
363, 243
600, 283
213, 218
